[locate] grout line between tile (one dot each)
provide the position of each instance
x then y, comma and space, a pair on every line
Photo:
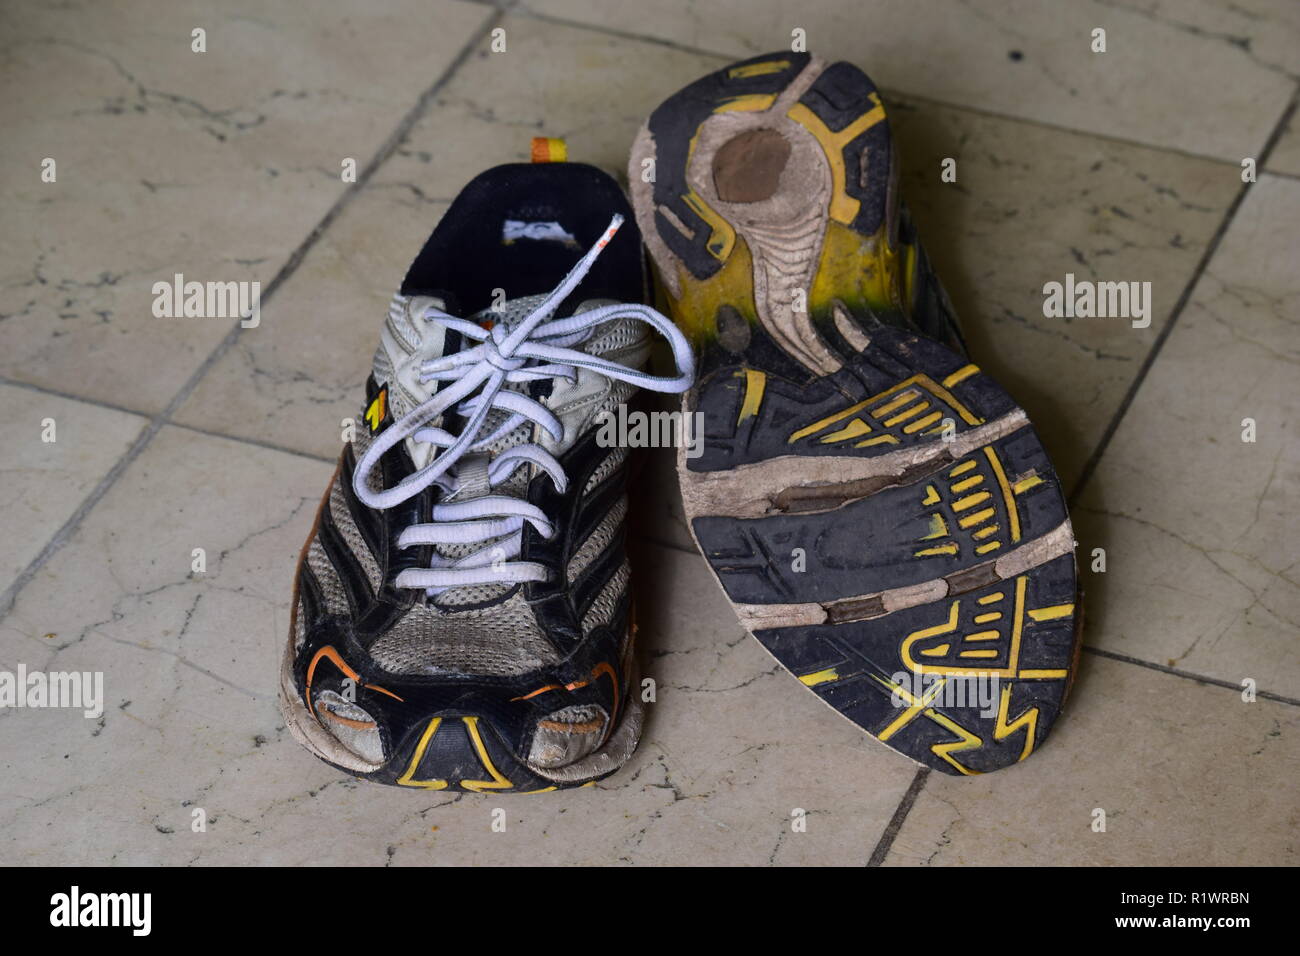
255, 442
156, 423
886, 841
1189, 675
69, 396
1211, 248
64, 532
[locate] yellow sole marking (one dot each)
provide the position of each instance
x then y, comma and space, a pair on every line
1013, 654
1024, 484
939, 651
941, 549
977, 518
944, 628
828, 420
755, 383
967, 483
910, 395
1013, 517
907, 413
497, 782
986, 618
757, 69
820, 677
984, 636
1042, 675
986, 548
722, 238
922, 381
961, 469
1052, 613
843, 207
970, 501
747, 104
991, 598
985, 532
915, 705
960, 375
878, 440
1028, 720
938, 528
931, 496
408, 779
968, 741
852, 430
524, 793
928, 420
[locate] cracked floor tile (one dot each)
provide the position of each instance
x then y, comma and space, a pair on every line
1199, 525
211, 165
56, 452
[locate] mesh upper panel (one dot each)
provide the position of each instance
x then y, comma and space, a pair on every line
502, 639
598, 540
607, 467
601, 611
333, 596
347, 528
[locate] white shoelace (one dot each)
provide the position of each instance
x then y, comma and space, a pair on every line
473, 384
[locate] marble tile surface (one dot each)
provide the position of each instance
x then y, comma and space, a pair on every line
55, 452
1032, 59
1187, 774
1199, 526
214, 165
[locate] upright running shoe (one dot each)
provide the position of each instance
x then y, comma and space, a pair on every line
461, 614
878, 510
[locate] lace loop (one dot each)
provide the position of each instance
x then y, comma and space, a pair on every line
472, 385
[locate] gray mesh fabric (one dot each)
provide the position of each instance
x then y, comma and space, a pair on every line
607, 467
333, 596
502, 639
347, 527
601, 611
598, 540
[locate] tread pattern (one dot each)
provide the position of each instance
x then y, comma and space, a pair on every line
886, 522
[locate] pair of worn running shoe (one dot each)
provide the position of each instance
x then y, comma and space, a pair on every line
880, 513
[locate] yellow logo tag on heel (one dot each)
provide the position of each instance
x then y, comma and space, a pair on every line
548, 149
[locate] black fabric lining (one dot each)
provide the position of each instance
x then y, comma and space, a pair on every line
465, 259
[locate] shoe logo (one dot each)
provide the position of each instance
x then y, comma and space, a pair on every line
513, 230
377, 413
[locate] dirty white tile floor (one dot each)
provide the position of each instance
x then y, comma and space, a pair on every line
178, 434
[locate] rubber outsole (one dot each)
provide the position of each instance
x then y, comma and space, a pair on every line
879, 511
